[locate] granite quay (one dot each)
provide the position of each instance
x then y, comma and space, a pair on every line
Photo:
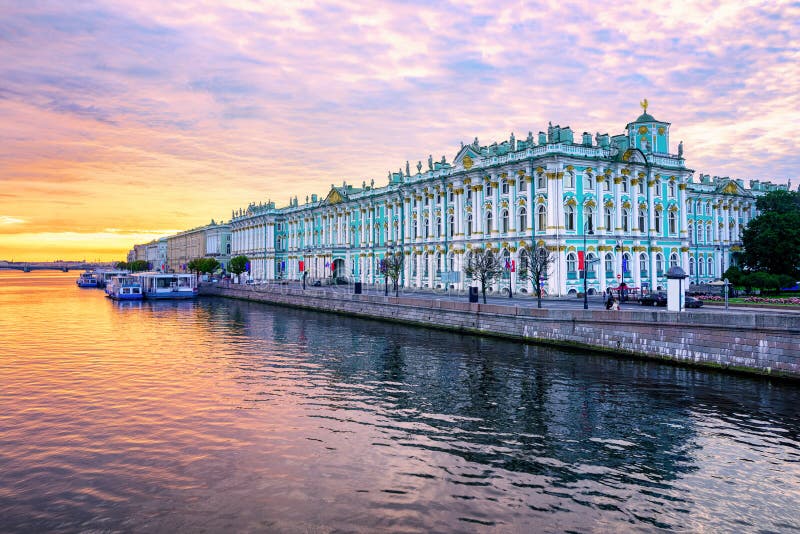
757, 343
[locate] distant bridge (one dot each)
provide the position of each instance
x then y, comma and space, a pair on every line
65, 266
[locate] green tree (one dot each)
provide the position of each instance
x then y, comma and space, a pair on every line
208, 265
122, 266
484, 267
137, 266
772, 243
238, 264
779, 202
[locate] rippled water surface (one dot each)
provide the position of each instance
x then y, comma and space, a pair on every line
225, 416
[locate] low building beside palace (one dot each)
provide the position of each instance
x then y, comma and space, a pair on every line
210, 241
627, 202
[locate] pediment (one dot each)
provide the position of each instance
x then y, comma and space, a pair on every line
335, 196
466, 157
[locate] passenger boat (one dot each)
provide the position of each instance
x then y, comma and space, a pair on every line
104, 276
167, 285
124, 288
87, 279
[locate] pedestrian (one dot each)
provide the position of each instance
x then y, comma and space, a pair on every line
610, 302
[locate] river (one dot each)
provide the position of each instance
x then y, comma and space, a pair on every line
226, 416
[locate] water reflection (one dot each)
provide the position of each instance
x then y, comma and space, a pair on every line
226, 415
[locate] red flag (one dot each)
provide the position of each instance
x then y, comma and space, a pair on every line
580, 260
302, 266
513, 266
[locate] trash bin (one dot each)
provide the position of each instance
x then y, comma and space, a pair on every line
473, 294
357, 286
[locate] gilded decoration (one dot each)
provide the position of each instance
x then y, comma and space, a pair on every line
503, 175
626, 205
661, 130
539, 170
540, 200
570, 202
635, 181
467, 181
570, 168
608, 204
617, 180
520, 173
627, 155
590, 203
467, 162
656, 249
601, 179
588, 170
682, 187
684, 249
673, 207
643, 130
626, 172
659, 207
731, 189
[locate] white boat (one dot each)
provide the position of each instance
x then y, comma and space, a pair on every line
167, 285
87, 279
104, 276
124, 288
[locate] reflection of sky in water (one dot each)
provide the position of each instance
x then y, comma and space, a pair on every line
228, 415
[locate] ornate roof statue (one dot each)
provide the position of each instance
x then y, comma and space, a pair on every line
430, 162
529, 140
408, 171
419, 167
680, 149
513, 142
475, 143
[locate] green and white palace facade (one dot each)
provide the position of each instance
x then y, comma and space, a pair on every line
626, 201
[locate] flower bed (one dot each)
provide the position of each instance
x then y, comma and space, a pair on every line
794, 301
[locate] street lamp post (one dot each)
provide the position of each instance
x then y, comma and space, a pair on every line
585, 265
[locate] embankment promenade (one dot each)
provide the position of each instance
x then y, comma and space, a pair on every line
766, 344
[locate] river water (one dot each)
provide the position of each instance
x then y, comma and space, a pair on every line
227, 416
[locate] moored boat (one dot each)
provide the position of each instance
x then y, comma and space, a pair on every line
87, 279
167, 285
124, 288
104, 276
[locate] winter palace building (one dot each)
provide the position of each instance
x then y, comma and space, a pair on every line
625, 201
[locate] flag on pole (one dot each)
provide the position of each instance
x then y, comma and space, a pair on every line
624, 264
581, 261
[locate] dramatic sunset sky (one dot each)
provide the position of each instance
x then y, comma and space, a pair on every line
127, 120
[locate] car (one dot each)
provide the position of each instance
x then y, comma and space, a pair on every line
692, 302
654, 299
317, 283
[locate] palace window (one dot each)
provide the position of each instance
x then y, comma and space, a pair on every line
671, 189
673, 222
606, 184
673, 260
691, 266
569, 217
542, 218
425, 266
588, 216
625, 220
438, 226
709, 234
609, 216
521, 186
469, 225
641, 186
657, 222
452, 223
624, 184
587, 183
488, 189
504, 216
488, 222
427, 229
701, 264
626, 264
609, 264
540, 181
523, 219
710, 267
414, 233
505, 187
643, 264
569, 180
571, 263
469, 195
659, 264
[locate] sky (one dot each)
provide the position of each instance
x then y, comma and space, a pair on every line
128, 120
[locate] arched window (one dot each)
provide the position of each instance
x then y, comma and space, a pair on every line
488, 222
641, 186
569, 180
425, 265
414, 229
588, 184
414, 265
643, 264
659, 264
588, 218
609, 219
642, 220
488, 189
591, 265
691, 234
452, 224
673, 222
427, 229
624, 184
469, 194
606, 185
540, 180
571, 263
701, 264
523, 219
504, 221
709, 234
505, 187
438, 226
438, 263
625, 218
710, 267
691, 266
451, 261
672, 189
521, 186
542, 218
626, 264
609, 264
657, 222
569, 217
673, 260
469, 225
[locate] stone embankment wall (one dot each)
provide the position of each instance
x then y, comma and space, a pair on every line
765, 344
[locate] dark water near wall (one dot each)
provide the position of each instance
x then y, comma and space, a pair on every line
224, 416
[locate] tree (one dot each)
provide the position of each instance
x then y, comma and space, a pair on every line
482, 266
238, 264
194, 265
535, 267
134, 266
208, 265
393, 263
772, 240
